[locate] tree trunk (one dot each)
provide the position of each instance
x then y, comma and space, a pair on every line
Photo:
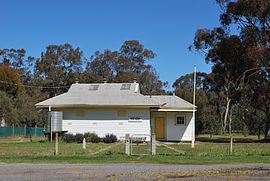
226, 114
222, 126
230, 132
267, 125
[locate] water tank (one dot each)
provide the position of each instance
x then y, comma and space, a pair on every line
55, 119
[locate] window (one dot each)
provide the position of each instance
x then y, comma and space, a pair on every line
93, 87
125, 86
180, 120
121, 113
80, 113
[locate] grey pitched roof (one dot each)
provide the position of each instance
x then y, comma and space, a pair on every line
105, 94
112, 94
171, 101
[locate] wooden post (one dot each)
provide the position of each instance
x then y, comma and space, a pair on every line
84, 143
24, 130
13, 130
153, 144
35, 130
56, 143
127, 143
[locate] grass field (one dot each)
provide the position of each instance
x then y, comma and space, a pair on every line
215, 150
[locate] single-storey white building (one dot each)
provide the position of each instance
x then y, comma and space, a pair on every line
119, 108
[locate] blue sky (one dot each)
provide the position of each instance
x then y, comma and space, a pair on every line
165, 26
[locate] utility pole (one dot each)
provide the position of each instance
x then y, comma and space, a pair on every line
194, 109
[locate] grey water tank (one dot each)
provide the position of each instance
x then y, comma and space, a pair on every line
55, 119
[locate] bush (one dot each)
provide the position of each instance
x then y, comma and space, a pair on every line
109, 138
79, 138
92, 137
69, 138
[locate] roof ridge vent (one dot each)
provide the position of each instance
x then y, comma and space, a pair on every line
125, 86
105, 81
93, 87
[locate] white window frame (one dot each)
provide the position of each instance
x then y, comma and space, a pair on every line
176, 124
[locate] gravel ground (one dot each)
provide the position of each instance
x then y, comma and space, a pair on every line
119, 171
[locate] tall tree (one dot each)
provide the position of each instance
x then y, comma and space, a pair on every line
129, 63
10, 81
252, 18
6, 108
17, 59
59, 66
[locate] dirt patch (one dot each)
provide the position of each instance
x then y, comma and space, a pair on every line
223, 174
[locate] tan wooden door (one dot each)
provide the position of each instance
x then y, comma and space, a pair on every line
159, 127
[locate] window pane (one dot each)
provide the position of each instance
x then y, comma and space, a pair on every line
180, 120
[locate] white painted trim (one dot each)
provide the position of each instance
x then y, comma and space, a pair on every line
136, 88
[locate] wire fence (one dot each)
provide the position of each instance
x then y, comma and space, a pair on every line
140, 145
8, 131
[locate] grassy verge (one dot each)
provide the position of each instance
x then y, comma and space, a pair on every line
238, 138
23, 151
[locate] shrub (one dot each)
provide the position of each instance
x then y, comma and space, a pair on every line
92, 137
69, 138
79, 138
109, 138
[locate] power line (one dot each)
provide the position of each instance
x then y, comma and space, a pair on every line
34, 86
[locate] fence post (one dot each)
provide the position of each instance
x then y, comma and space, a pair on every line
56, 143
127, 143
24, 130
13, 130
84, 143
35, 130
153, 144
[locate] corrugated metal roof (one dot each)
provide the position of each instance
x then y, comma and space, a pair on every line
107, 94
171, 101
111, 94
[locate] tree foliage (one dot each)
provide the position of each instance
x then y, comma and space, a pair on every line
59, 66
124, 65
240, 61
10, 81
16, 59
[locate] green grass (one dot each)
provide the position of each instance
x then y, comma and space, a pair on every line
238, 138
22, 151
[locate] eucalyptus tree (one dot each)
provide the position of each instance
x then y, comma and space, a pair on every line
252, 19
128, 63
18, 60
59, 66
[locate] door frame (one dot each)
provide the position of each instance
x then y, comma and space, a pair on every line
164, 136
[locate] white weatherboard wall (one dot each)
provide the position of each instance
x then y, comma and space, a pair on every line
179, 132
104, 121
174, 132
